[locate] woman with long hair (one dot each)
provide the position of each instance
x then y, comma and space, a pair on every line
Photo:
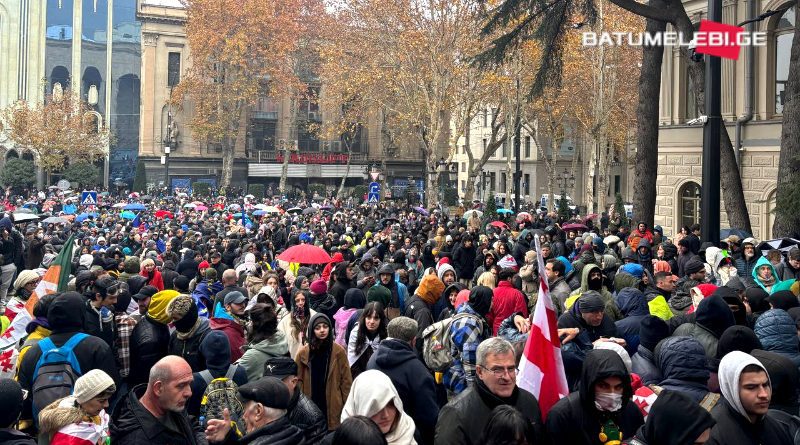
366, 336
507, 426
323, 370
295, 325
266, 341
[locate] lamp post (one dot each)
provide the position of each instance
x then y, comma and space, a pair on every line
565, 181
442, 168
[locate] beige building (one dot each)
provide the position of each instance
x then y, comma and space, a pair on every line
166, 57
680, 145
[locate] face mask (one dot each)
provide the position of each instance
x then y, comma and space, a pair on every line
608, 402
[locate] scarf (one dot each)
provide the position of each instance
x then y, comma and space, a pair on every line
188, 334
767, 282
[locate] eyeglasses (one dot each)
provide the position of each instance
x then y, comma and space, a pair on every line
117, 288
499, 371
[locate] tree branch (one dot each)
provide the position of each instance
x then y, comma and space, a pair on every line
646, 11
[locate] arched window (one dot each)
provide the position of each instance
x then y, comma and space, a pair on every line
689, 196
784, 31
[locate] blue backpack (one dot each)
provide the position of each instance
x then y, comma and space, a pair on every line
55, 373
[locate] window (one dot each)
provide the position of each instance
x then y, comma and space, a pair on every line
503, 181
505, 148
617, 184
463, 185
784, 32
691, 101
492, 183
527, 184
485, 118
527, 147
484, 145
173, 69
689, 196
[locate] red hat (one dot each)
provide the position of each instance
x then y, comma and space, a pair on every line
203, 265
319, 287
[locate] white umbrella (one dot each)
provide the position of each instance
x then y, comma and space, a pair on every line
25, 217
55, 220
468, 214
261, 206
120, 205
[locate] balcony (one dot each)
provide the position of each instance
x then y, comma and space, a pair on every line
304, 157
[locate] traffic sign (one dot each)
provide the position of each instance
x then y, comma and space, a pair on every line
89, 198
375, 175
373, 198
374, 187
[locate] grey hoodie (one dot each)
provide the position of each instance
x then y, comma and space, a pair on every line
730, 371
257, 355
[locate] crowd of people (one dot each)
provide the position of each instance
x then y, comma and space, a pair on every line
182, 325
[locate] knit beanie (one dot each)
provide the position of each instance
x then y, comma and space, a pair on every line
210, 274
25, 277
92, 384
319, 287
11, 395
183, 309
159, 302
651, 331
430, 289
480, 299
590, 301
203, 265
662, 266
692, 266
634, 269
379, 293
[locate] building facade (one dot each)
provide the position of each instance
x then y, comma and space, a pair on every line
680, 144
90, 47
166, 57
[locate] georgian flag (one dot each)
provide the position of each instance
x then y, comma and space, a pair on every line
541, 370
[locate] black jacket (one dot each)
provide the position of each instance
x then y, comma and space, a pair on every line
674, 420
66, 319
463, 261
13, 437
148, 343
575, 420
417, 309
189, 349
413, 382
133, 424
279, 432
168, 275
93, 325
461, 422
188, 267
305, 415
777, 427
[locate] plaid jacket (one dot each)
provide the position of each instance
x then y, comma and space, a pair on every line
124, 324
466, 334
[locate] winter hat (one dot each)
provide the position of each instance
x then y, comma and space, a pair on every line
159, 304
634, 269
736, 284
651, 331
623, 354
430, 289
693, 266
92, 384
319, 287
25, 277
590, 301
737, 338
210, 274
480, 299
444, 268
203, 265
86, 260
783, 299
11, 395
179, 306
662, 266
381, 294
299, 281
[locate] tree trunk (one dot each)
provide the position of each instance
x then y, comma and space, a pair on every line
229, 156
346, 170
787, 222
644, 182
469, 190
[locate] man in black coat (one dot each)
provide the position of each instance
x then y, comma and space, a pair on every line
396, 358
155, 413
462, 421
464, 260
188, 266
302, 411
149, 340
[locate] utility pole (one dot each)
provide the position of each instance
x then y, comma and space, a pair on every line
518, 167
710, 193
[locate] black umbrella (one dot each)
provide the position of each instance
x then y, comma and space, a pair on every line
309, 211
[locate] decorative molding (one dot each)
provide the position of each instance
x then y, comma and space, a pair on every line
149, 38
174, 45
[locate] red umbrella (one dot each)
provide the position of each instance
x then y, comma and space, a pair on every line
305, 254
163, 214
574, 226
499, 224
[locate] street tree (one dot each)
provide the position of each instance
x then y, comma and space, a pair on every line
84, 174
18, 173
60, 128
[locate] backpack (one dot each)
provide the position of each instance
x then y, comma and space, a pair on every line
437, 342
221, 393
55, 373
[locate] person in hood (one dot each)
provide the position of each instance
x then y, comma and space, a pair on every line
784, 379
764, 275
744, 416
150, 337
643, 362
588, 315
633, 305
747, 262
155, 413
99, 317
489, 262
373, 395
323, 370
415, 386
467, 330
420, 305
266, 341
464, 259
216, 350
354, 299
645, 254
777, 331
446, 306
712, 318
592, 280
682, 362
782, 299
387, 279
168, 274
230, 318
790, 269
320, 300
601, 409
65, 315
672, 408
189, 264
12, 396
464, 418
190, 330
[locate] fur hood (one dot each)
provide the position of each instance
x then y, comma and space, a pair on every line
59, 414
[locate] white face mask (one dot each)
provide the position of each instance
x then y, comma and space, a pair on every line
608, 402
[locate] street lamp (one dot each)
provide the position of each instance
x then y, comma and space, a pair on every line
448, 170
565, 181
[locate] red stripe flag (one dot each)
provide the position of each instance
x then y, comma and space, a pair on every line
541, 370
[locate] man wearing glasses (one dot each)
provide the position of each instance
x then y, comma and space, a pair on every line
463, 419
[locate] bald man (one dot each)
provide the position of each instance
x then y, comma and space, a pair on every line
155, 413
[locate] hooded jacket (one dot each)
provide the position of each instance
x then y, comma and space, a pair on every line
233, 329
257, 354
188, 266
733, 425
763, 261
371, 392
672, 408
777, 332
413, 382
342, 284
713, 317
633, 305
66, 412
65, 316
784, 378
133, 424
189, 348
611, 308
588, 334
575, 420
682, 361
354, 299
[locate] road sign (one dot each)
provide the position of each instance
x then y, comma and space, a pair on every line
89, 198
374, 187
375, 175
373, 198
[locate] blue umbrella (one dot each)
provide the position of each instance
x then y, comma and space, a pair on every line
259, 213
128, 215
505, 211
135, 207
84, 216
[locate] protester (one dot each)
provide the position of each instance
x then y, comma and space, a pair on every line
670, 410
216, 349
302, 412
190, 330
12, 396
373, 395
468, 329
150, 337
266, 341
365, 337
80, 416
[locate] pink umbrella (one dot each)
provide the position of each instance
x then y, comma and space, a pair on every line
201, 208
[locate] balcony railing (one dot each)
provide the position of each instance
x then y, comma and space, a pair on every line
271, 157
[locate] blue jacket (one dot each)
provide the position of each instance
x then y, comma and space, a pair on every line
763, 261
682, 361
643, 364
633, 305
778, 333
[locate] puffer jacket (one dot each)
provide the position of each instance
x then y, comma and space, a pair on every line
633, 305
682, 361
148, 344
778, 333
712, 318
65, 412
643, 364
